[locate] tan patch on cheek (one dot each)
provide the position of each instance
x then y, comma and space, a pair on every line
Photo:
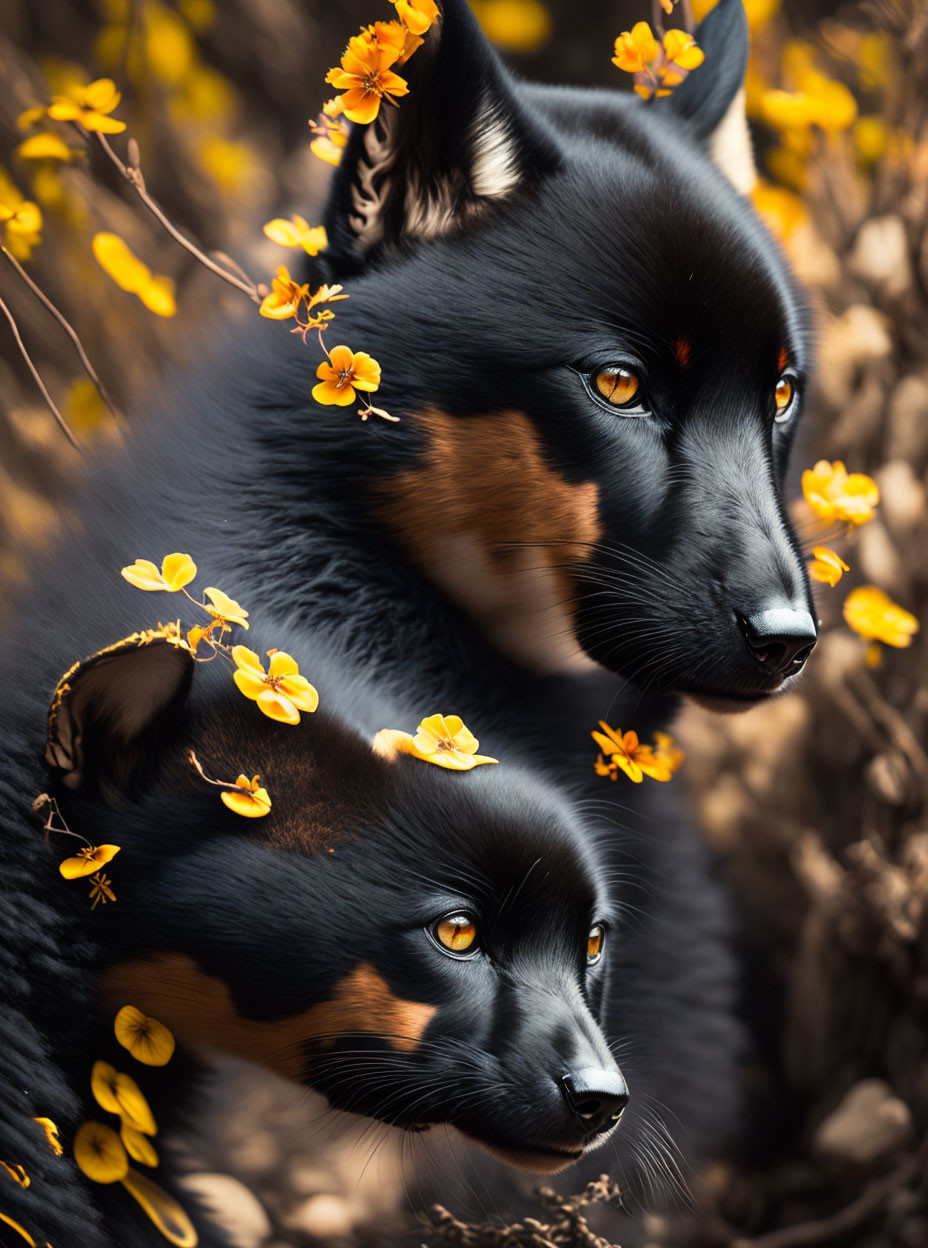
683, 351
485, 515
198, 1008
782, 360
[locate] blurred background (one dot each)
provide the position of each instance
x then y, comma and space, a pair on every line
816, 803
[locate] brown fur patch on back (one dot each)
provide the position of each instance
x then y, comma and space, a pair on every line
199, 1009
486, 516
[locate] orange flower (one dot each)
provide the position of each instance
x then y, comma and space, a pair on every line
666, 748
89, 106
248, 798
835, 494
626, 753
416, 15
297, 232
285, 297
826, 566
343, 373
658, 67
280, 692
366, 78
88, 861
440, 739
874, 616
176, 571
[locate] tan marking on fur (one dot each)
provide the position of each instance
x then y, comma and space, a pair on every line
782, 360
491, 522
731, 149
683, 351
198, 1008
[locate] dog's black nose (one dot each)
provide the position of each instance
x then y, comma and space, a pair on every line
780, 638
597, 1097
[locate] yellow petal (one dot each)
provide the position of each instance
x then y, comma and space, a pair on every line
44, 147
389, 742
247, 659
149, 1041
158, 296
103, 1086
249, 684
251, 805
133, 1108
143, 574
282, 664
283, 232
300, 692
275, 706
178, 571
138, 1146
51, 1134
100, 1154
168, 1216
20, 1230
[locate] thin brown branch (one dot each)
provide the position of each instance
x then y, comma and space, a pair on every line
65, 429
133, 175
827, 1230
65, 325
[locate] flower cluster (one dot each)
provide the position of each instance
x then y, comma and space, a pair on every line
103, 1152
657, 65
439, 739
281, 692
622, 751
835, 495
89, 106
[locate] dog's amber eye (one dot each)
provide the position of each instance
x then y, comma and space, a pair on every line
783, 398
617, 385
594, 942
457, 932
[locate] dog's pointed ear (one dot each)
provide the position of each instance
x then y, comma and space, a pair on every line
457, 143
712, 97
112, 710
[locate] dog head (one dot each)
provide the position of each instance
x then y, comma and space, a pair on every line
421, 946
599, 355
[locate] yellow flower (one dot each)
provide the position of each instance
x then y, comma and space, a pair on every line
344, 372
99, 1152
17, 1173
874, 616
22, 223
333, 133
365, 78
514, 25
120, 1094
89, 106
100, 889
88, 861
249, 799
138, 1146
626, 753
666, 748
635, 48
225, 608
682, 55
826, 566
835, 494
51, 1134
782, 211
416, 15
285, 297
46, 147
149, 1041
31, 117
176, 571
20, 1230
297, 232
130, 274
440, 739
280, 692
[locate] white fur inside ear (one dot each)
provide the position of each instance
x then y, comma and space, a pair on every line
730, 147
494, 170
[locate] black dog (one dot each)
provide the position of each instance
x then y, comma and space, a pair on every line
513, 255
